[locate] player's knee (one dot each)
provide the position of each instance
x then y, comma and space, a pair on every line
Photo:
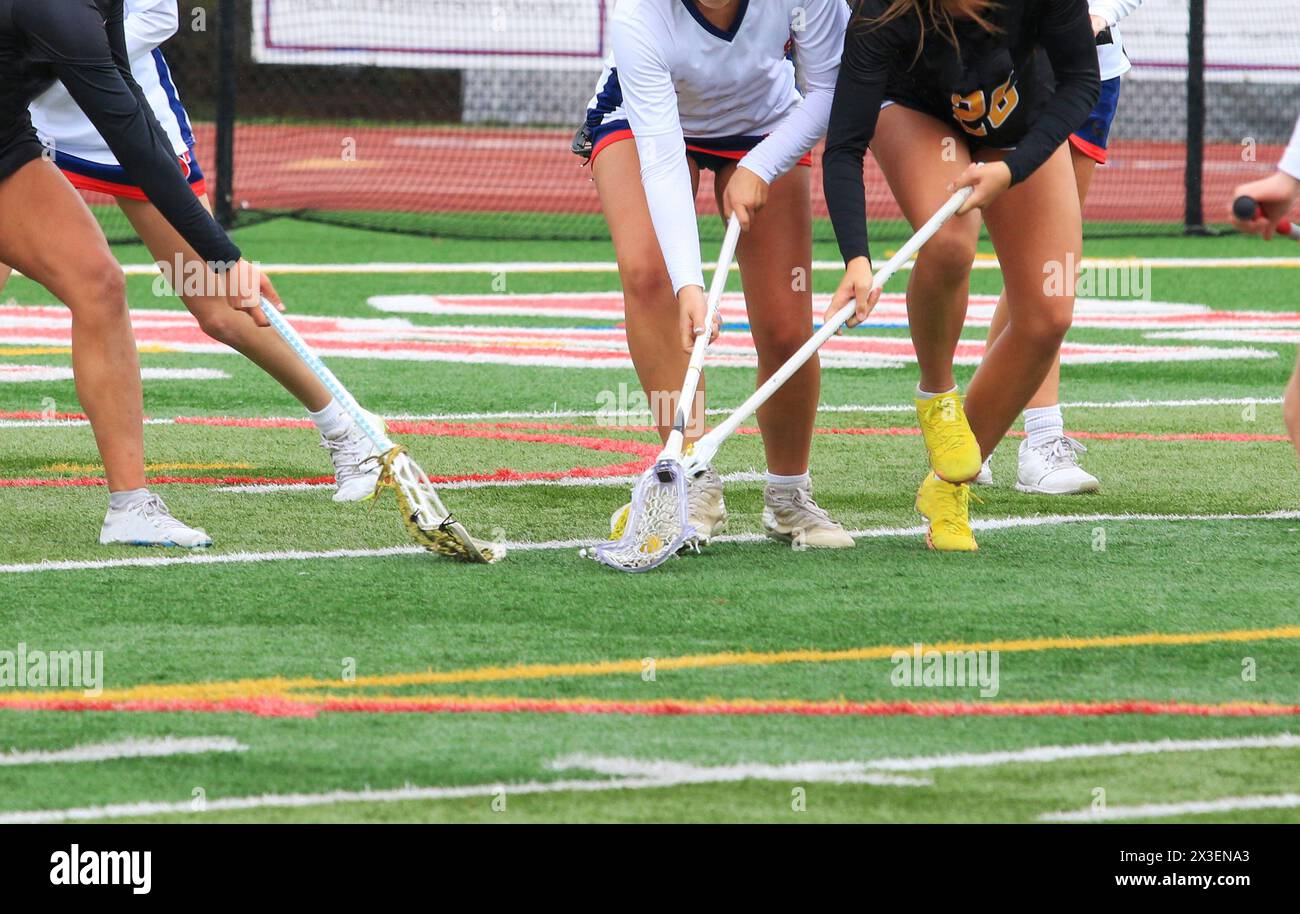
225, 325
1049, 320
100, 294
1291, 408
783, 341
950, 253
646, 286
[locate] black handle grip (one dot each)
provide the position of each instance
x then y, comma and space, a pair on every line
1245, 208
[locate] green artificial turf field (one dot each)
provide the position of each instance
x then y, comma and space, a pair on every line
314, 666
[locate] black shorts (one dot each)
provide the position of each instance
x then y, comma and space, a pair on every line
914, 102
17, 149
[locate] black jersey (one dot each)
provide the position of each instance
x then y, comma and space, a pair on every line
82, 44
1026, 87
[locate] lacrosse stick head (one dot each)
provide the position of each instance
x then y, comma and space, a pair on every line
424, 515
658, 523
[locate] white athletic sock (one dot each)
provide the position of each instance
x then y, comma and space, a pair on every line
926, 395
803, 479
332, 421
120, 501
1043, 424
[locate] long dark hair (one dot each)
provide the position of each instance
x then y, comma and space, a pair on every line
936, 15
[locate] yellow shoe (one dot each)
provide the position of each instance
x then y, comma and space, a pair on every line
947, 507
954, 452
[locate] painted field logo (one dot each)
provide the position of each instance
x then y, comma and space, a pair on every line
78, 867
33, 669
919, 668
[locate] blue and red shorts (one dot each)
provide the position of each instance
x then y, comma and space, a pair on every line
712, 154
112, 180
1092, 138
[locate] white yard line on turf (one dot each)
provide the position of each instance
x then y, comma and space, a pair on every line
825, 771
992, 524
589, 266
405, 794
632, 774
1167, 810
127, 748
66, 423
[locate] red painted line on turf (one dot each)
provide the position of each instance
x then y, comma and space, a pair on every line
280, 706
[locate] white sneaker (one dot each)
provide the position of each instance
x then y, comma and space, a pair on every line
985, 478
791, 516
1053, 468
356, 462
705, 508
149, 523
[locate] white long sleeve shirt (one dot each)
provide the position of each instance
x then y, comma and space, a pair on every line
60, 123
681, 76
1111, 57
1291, 158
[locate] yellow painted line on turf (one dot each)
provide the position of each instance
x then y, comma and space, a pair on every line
7, 351
779, 658
35, 350
281, 687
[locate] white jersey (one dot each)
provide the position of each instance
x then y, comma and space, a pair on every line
62, 125
679, 76
1291, 158
1111, 57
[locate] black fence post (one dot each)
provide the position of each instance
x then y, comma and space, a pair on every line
227, 72
1193, 209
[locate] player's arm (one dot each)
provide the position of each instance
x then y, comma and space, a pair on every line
650, 99
150, 24
1275, 195
89, 57
818, 45
1065, 33
1111, 12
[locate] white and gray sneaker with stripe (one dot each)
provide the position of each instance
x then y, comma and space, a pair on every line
790, 515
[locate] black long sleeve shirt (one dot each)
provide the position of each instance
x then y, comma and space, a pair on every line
997, 87
82, 43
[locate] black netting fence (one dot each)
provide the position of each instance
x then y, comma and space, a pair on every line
454, 117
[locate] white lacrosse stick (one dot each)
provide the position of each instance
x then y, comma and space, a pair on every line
657, 523
706, 448
426, 518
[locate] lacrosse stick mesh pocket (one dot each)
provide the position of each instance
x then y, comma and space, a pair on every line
426, 519
657, 525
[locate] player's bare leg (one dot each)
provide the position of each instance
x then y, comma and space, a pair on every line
1034, 225
652, 312
920, 156
1291, 407
355, 467
776, 268
651, 308
36, 205
1048, 459
260, 345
